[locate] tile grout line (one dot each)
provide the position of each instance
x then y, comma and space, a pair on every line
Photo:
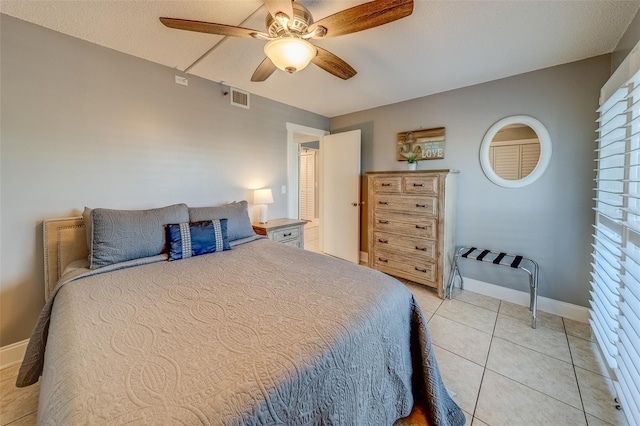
540, 392
484, 369
537, 390
512, 317
578, 383
13, 377
483, 366
492, 334
506, 340
19, 418
581, 367
477, 306
458, 355
461, 323
558, 359
566, 338
535, 350
575, 374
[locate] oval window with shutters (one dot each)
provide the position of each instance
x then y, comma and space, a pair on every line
515, 151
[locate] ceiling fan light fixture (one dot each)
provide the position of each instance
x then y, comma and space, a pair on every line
290, 54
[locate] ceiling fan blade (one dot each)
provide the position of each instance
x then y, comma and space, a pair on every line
333, 65
264, 70
364, 16
275, 6
209, 27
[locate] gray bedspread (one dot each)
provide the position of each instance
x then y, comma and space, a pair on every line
261, 334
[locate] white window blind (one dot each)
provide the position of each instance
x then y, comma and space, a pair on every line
615, 293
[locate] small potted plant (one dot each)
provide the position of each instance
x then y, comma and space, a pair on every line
412, 159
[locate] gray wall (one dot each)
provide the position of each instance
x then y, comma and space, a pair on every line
85, 125
628, 41
550, 220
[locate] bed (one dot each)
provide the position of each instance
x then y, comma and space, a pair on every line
262, 333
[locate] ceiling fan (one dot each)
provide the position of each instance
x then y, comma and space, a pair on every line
290, 26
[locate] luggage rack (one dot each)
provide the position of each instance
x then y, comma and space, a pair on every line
502, 259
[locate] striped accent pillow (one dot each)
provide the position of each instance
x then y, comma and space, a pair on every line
196, 238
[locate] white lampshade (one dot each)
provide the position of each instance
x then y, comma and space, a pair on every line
262, 196
290, 54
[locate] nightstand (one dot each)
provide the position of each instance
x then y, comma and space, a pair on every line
286, 231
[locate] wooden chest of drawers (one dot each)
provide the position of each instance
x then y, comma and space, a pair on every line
411, 224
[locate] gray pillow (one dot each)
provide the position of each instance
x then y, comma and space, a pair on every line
121, 235
238, 222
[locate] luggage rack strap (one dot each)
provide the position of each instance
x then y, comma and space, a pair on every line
495, 257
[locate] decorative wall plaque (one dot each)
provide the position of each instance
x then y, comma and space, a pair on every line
426, 144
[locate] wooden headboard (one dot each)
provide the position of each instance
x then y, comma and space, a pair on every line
65, 240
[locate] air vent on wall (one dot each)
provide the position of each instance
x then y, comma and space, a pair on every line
239, 98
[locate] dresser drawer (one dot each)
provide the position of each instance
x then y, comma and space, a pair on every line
421, 227
284, 234
292, 243
403, 266
409, 246
421, 185
404, 203
387, 184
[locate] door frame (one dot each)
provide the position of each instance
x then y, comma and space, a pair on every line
292, 165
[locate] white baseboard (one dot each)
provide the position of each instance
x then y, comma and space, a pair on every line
545, 304
12, 354
364, 257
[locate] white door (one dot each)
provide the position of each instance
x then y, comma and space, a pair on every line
340, 195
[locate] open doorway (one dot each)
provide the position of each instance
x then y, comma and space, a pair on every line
304, 170
309, 194
338, 187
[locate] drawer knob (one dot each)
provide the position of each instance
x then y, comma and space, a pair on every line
386, 184
420, 270
384, 222
421, 227
421, 248
380, 240
287, 235
386, 203
418, 184
383, 260
424, 206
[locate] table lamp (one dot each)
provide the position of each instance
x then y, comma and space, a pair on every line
262, 197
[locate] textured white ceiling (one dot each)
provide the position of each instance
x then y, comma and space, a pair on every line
442, 46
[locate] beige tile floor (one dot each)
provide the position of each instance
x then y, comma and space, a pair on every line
501, 370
